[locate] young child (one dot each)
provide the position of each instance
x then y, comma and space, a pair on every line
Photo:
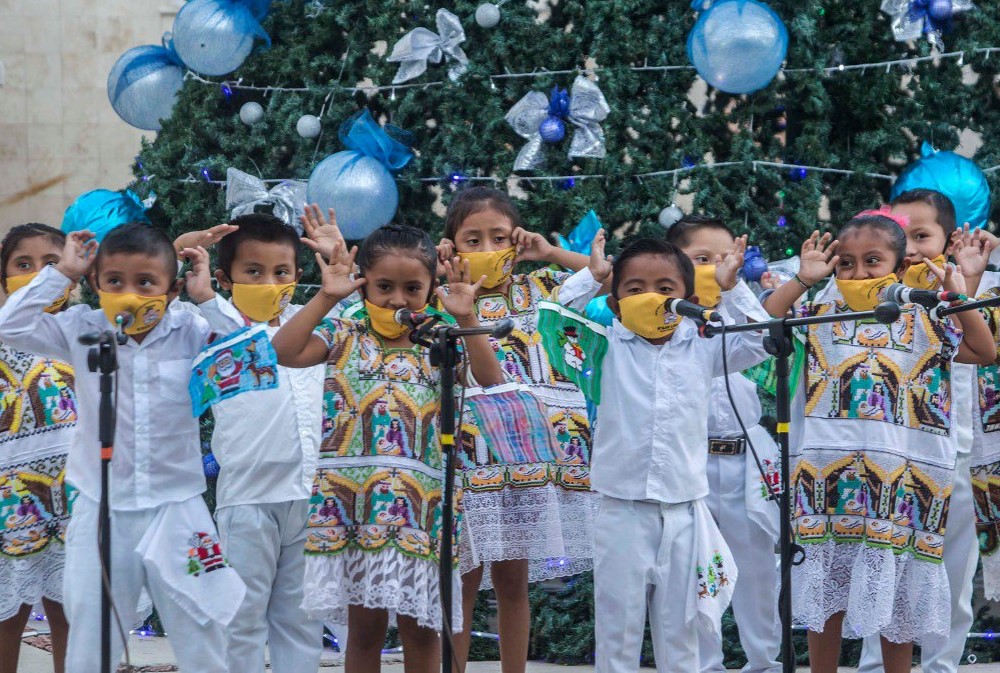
162, 536
525, 530
873, 470
37, 422
656, 545
738, 499
372, 545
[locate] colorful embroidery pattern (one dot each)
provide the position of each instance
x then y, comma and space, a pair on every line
204, 554
712, 576
238, 363
986, 501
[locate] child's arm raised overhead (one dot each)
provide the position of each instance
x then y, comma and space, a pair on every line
816, 261
460, 301
295, 343
590, 281
978, 346
971, 251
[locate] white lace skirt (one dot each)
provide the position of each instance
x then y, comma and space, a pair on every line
904, 599
31, 578
382, 580
551, 527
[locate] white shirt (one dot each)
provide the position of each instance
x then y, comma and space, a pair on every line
156, 456
722, 421
652, 439
267, 441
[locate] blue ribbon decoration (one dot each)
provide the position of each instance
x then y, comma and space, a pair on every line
582, 235
101, 210
390, 146
920, 10
559, 103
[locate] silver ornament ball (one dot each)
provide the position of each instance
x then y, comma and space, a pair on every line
670, 215
251, 113
487, 15
308, 126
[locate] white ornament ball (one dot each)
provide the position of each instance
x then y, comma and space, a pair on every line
251, 113
308, 126
670, 215
487, 15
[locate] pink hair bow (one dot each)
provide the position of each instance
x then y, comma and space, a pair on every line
886, 211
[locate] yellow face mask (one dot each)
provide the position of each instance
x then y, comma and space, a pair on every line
497, 266
646, 314
146, 312
262, 303
15, 283
708, 291
383, 320
865, 295
921, 277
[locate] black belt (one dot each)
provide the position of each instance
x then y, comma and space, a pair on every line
727, 447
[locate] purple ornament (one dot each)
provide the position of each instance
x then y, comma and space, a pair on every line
940, 10
210, 465
754, 264
782, 221
552, 129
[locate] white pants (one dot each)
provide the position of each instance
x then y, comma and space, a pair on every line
198, 648
266, 545
642, 555
961, 553
755, 599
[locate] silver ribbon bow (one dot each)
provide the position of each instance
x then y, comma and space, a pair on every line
907, 25
587, 109
422, 46
244, 193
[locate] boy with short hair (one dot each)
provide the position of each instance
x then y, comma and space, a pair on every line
656, 544
162, 534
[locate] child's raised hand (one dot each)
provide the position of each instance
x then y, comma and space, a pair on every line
205, 238
78, 255
770, 281
445, 251
726, 270
950, 276
336, 276
460, 298
321, 234
531, 247
971, 250
198, 281
600, 264
818, 259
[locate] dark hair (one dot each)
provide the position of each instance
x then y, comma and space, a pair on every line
472, 200
262, 227
398, 238
941, 203
883, 224
20, 233
138, 238
681, 231
653, 246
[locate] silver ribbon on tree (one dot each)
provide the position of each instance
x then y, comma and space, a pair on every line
422, 46
587, 109
245, 192
933, 18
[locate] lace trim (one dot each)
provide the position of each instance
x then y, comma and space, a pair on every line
550, 527
991, 577
31, 578
387, 580
904, 599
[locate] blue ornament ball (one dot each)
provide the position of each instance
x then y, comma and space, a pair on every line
940, 10
956, 177
214, 37
754, 264
210, 465
143, 84
552, 129
738, 46
101, 210
360, 190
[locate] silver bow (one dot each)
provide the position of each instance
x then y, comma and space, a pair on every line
587, 109
907, 25
244, 193
422, 46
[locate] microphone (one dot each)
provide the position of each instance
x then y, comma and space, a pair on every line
688, 309
901, 294
123, 321
411, 319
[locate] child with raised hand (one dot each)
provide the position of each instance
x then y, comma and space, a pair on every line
162, 535
656, 545
523, 532
874, 467
37, 422
738, 499
373, 543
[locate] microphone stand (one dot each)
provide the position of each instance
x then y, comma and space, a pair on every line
442, 340
778, 343
939, 312
103, 357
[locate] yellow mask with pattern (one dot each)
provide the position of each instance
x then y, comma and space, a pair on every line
646, 314
921, 277
146, 312
866, 294
15, 283
262, 302
708, 291
497, 266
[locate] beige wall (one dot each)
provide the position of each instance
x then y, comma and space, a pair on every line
59, 136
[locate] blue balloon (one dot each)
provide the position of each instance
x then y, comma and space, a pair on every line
143, 85
101, 210
214, 37
599, 311
360, 190
738, 46
954, 176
